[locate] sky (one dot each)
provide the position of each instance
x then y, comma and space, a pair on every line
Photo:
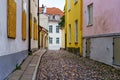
53, 3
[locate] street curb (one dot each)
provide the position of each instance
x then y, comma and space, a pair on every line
36, 68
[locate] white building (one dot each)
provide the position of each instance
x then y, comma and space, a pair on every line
34, 24
14, 37
54, 32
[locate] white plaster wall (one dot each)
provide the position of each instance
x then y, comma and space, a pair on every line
7, 45
34, 8
54, 35
43, 20
102, 49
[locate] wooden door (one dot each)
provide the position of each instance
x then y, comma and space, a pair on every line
88, 42
116, 51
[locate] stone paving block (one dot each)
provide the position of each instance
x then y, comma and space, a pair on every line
26, 62
26, 77
34, 60
16, 75
29, 70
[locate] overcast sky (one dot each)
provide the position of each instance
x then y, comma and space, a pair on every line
53, 3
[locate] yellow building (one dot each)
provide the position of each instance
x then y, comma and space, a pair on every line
63, 38
73, 26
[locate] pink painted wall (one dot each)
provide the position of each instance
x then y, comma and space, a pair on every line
106, 17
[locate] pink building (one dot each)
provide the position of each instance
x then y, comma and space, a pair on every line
101, 30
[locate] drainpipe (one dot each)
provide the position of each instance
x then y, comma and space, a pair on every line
29, 39
38, 28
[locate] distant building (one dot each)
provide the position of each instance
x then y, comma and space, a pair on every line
101, 30
44, 30
54, 32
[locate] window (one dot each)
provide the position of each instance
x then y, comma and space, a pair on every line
53, 17
90, 14
11, 31
76, 30
35, 29
75, 1
50, 29
57, 41
69, 34
23, 21
57, 29
69, 6
50, 40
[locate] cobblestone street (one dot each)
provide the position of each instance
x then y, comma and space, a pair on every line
62, 65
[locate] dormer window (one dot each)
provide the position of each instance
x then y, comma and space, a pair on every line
53, 16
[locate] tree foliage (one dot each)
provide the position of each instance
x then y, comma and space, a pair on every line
62, 22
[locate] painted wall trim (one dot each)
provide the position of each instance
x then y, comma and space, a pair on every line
8, 63
103, 35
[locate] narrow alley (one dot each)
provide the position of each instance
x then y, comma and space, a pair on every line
62, 65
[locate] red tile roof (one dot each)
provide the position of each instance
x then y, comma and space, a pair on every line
53, 11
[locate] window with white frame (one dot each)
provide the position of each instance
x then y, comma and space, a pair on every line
50, 40
57, 40
90, 14
69, 34
69, 6
50, 29
76, 30
57, 29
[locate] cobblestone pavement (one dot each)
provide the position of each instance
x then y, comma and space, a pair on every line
62, 65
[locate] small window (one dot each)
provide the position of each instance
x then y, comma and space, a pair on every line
57, 41
69, 6
50, 29
90, 14
23, 22
50, 40
75, 1
53, 17
57, 29
76, 30
70, 36
11, 29
35, 29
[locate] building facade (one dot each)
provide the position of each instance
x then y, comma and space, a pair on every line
73, 26
14, 34
34, 24
101, 30
44, 30
63, 46
54, 32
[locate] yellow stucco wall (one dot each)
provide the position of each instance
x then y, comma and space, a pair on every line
75, 13
11, 18
63, 37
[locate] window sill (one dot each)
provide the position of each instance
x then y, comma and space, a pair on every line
89, 25
76, 42
75, 2
69, 42
69, 10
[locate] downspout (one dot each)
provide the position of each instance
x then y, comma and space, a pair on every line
38, 28
29, 39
